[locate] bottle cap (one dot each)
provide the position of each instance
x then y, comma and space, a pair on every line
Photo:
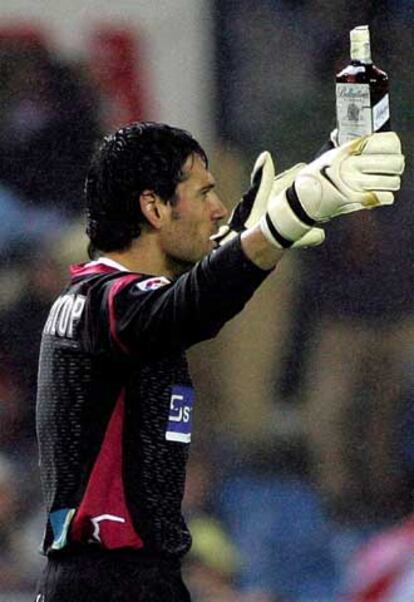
360, 44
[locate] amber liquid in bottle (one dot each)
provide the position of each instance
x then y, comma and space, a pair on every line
362, 99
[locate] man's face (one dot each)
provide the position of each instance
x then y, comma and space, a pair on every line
194, 216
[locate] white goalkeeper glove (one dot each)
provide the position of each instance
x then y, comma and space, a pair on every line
254, 202
361, 174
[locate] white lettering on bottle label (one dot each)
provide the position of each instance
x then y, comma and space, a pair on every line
381, 112
353, 111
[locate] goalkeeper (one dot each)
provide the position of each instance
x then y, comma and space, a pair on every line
115, 399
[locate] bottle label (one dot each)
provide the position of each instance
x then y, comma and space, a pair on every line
381, 112
353, 111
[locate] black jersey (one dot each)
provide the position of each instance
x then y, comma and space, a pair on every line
115, 399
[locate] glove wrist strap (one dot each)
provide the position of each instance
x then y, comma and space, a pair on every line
272, 235
285, 221
296, 206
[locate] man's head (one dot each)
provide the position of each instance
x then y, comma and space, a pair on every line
136, 173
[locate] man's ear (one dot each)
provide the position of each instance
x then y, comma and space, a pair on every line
153, 208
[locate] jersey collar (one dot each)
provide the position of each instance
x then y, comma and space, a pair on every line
110, 263
103, 265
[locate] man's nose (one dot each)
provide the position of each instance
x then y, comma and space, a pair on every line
220, 211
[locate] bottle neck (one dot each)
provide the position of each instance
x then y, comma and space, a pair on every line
361, 52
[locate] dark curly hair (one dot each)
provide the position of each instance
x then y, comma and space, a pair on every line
140, 156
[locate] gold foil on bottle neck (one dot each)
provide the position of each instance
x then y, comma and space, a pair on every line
360, 44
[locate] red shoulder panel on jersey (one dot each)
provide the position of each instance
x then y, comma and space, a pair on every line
118, 285
88, 269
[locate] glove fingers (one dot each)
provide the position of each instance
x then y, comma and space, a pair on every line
370, 200
264, 169
384, 198
376, 182
378, 144
377, 164
375, 198
265, 163
224, 232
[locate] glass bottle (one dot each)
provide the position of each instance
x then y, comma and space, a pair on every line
362, 98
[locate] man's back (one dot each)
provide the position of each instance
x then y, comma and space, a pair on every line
112, 451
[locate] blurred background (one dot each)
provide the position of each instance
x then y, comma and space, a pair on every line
301, 477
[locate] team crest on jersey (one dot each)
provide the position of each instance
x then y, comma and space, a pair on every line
152, 283
180, 417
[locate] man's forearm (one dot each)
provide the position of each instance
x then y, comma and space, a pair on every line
258, 249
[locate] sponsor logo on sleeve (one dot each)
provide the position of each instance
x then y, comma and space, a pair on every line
181, 414
152, 283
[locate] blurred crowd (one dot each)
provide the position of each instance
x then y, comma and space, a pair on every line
300, 482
